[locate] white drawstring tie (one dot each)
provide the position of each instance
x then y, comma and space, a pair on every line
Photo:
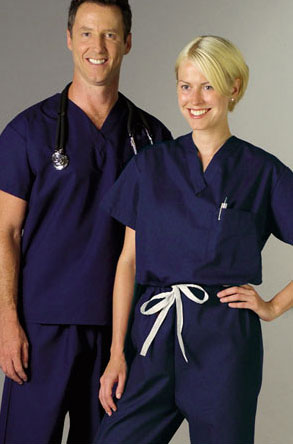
168, 299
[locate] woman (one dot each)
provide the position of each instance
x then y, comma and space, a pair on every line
198, 211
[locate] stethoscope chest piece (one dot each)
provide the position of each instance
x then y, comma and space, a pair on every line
60, 160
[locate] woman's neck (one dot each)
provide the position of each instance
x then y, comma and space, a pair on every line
209, 142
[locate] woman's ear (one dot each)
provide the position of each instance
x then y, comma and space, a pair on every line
236, 89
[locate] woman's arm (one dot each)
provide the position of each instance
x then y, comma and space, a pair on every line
122, 300
245, 296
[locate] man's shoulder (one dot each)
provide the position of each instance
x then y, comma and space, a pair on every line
150, 117
154, 122
45, 108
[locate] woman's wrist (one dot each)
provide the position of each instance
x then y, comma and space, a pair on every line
117, 351
275, 309
283, 300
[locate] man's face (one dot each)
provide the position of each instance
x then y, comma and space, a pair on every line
97, 44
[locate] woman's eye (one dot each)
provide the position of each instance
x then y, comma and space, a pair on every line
185, 87
208, 87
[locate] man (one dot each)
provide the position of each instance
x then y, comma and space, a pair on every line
58, 249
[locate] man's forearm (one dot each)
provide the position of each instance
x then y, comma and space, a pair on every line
9, 274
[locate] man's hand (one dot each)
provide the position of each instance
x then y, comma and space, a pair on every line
14, 350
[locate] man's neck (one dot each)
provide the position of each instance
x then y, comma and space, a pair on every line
95, 101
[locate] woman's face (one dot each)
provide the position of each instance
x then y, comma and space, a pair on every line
202, 106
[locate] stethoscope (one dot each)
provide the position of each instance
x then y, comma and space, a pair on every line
60, 159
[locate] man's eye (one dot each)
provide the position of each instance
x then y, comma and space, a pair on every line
110, 35
86, 34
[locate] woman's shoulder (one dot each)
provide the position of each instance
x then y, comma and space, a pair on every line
166, 147
154, 159
258, 155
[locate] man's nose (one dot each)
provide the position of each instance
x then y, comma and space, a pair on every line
98, 42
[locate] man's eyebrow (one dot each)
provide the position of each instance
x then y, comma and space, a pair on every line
87, 28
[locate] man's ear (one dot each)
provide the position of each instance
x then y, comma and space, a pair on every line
128, 43
69, 40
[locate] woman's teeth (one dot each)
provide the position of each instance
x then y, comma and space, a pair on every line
199, 112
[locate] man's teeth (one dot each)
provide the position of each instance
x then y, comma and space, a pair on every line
199, 112
97, 61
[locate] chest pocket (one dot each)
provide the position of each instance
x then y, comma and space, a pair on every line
234, 241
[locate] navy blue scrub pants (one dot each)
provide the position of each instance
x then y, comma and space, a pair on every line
66, 362
216, 390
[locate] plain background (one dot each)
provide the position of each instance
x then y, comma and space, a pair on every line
35, 63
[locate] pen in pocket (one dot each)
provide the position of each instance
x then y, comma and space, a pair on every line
223, 206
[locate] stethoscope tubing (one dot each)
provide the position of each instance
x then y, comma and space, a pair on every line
60, 159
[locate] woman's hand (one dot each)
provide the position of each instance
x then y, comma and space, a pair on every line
115, 372
245, 296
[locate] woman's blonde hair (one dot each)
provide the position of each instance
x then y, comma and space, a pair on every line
221, 63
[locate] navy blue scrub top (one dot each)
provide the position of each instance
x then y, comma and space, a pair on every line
70, 247
181, 235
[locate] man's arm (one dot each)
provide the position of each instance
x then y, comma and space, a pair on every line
13, 341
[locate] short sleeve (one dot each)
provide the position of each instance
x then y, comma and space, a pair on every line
15, 172
121, 201
282, 207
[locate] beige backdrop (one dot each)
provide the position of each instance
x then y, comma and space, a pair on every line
35, 63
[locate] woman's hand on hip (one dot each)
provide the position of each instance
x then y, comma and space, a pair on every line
245, 296
115, 373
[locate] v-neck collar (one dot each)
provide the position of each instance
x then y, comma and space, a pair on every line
199, 178
113, 118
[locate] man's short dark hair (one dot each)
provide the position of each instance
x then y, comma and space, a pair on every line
123, 5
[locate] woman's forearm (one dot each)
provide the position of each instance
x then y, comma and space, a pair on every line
283, 300
122, 302
116, 369
246, 297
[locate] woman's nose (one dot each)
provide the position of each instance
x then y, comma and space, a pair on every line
196, 97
